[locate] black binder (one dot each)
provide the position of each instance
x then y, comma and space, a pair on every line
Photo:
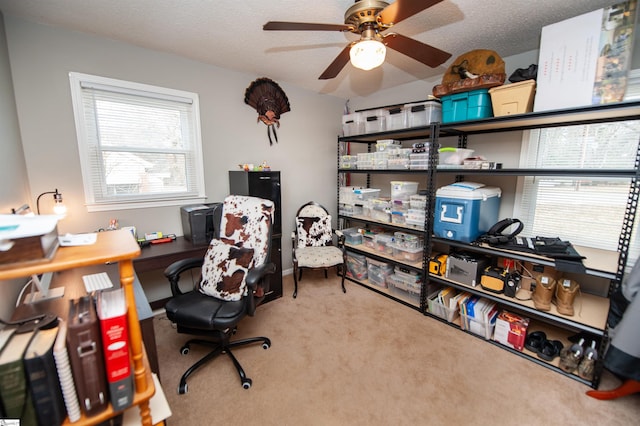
85, 353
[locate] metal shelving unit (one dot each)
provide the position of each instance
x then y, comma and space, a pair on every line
612, 268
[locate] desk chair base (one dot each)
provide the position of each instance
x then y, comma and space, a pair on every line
223, 347
298, 277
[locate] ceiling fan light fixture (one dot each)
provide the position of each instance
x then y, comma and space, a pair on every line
367, 54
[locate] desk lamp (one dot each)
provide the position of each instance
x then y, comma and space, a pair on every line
59, 208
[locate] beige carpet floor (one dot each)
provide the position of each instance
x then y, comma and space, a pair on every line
362, 359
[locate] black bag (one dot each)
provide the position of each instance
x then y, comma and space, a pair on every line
522, 74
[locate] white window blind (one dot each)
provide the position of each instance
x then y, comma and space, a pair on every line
587, 211
139, 145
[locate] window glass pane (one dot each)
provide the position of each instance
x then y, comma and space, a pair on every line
137, 143
586, 211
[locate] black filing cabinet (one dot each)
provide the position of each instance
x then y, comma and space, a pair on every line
264, 185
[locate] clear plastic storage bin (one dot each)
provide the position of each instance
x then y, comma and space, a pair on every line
356, 266
401, 190
348, 162
397, 118
423, 113
375, 120
384, 243
352, 124
352, 236
378, 272
441, 311
477, 326
407, 254
401, 287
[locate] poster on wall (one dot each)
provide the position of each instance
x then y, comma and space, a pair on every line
585, 60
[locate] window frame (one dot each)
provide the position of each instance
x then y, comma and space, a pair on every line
196, 178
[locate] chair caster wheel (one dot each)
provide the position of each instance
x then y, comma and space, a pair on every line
182, 389
246, 383
184, 350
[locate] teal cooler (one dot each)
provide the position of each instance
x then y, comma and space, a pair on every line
470, 105
465, 210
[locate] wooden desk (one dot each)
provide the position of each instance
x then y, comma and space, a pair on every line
114, 246
159, 256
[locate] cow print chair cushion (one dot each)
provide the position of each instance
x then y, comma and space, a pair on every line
224, 271
314, 231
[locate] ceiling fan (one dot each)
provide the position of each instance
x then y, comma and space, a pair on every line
370, 18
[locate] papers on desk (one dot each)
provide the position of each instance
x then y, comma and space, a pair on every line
78, 239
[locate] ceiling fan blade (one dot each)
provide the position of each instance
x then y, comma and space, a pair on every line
419, 51
336, 66
302, 26
403, 9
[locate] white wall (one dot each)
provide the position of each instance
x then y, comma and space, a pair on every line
13, 173
41, 58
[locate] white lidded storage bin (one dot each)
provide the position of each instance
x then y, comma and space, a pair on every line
352, 124
397, 118
375, 120
465, 210
423, 113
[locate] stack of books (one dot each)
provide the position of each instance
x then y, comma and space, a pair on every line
78, 366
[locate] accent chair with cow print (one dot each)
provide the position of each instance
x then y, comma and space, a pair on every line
313, 246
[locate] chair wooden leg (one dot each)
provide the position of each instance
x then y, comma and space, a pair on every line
627, 388
295, 282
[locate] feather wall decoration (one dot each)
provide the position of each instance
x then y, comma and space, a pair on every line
270, 101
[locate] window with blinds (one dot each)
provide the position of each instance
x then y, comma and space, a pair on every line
587, 211
139, 145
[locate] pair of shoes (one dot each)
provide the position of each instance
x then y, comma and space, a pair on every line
537, 342
627, 388
561, 293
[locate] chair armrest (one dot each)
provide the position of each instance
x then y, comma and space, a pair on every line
341, 237
173, 271
254, 277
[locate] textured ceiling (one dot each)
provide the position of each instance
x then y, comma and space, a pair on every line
228, 33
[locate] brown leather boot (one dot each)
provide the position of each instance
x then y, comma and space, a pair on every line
566, 291
543, 292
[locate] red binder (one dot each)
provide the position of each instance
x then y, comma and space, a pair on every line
112, 312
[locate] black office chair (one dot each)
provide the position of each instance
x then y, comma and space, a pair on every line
234, 279
313, 246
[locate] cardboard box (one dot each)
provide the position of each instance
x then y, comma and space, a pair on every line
511, 330
515, 98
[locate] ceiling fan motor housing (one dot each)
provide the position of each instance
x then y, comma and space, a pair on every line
364, 11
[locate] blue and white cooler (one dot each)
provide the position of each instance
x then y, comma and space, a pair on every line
465, 210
